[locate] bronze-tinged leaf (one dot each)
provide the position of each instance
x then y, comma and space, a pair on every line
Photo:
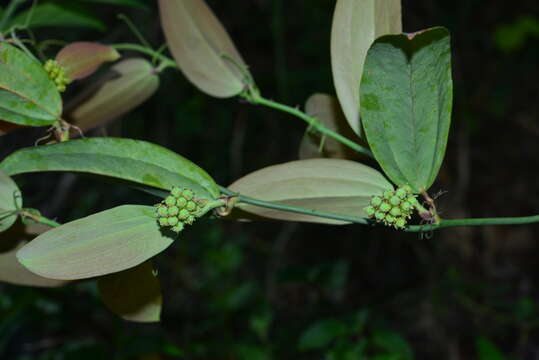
6, 127
327, 110
81, 59
202, 48
356, 24
133, 294
11, 271
128, 84
338, 186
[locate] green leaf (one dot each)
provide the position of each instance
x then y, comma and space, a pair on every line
127, 159
406, 100
393, 344
356, 24
27, 95
107, 242
57, 14
133, 294
10, 200
11, 270
202, 48
321, 334
339, 186
487, 350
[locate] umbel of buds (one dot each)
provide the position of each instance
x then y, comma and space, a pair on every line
57, 74
179, 208
393, 208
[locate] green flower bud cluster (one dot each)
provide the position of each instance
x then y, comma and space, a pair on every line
177, 209
57, 74
393, 208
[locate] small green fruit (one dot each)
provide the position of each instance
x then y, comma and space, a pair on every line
407, 188
181, 202
173, 211
173, 220
379, 215
376, 201
191, 206
187, 194
369, 210
162, 211
190, 220
178, 228
183, 214
400, 223
406, 206
388, 194
176, 192
170, 200
390, 219
395, 200
401, 193
395, 212
385, 207
163, 221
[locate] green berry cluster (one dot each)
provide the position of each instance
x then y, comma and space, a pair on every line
177, 209
393, 208
57, 74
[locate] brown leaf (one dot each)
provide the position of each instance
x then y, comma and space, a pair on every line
81, 59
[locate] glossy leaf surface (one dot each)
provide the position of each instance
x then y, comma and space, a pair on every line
107, 242
133, 294
327, 110
406, 100
126, 85
126, 159
338, 186
202, 48
80, 59
356, 24
10, 200
27, 95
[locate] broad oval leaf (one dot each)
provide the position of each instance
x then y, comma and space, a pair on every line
133, 294
107, 242
339, 186
10, 200
58, 14
127, 159
406, 100
356, 24
11, 270
202, 48
327, 110
127, 85
82, 58
27, 95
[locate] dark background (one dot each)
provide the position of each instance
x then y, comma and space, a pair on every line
252, 290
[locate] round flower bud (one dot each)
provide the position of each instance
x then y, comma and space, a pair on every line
389, 219
406, 206
173, 211
191, 206
400, 223
369, 210
395, 200
376, 201
388, 194
407, 188
176, 192
170, 200
178, 228
172, 220
385, 207
162, 211
395, 212
190, 219
163, 221
181, 202
187, 194
379, 215
183, 214
401, 193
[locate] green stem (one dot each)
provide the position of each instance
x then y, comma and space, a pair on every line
40, 219
255, 98
165, 61
357, 220
13, 5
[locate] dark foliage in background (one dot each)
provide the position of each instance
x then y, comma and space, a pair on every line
303, 291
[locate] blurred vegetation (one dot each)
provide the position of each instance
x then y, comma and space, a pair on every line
256, 291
